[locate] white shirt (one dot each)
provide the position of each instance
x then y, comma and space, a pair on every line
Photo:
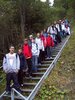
39, 42
48, 30
11, 58
63, 26
53, 31
35, 50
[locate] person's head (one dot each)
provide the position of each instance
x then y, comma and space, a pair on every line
44, 30
41, 33
30, 37
54, 22
25, 41
11, 49
38, 35
59, 21
48, 34
33, 40
19, 50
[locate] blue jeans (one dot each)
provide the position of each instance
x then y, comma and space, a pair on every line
34, 63
49, 50
53, 36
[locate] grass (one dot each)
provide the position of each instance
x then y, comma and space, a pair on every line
60, 84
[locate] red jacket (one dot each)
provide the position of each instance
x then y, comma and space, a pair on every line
50, 41
44, 39
27, 51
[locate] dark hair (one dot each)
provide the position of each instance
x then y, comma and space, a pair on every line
11, 46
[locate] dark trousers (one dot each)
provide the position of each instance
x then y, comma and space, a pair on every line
45, 52
20, 76
29, 63
9, 78
58, 37
49, 50
43, 55
40, 56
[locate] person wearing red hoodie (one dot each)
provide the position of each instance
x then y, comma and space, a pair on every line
50, 44
28, 55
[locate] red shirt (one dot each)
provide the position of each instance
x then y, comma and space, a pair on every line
27, 51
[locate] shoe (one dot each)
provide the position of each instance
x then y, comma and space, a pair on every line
30, 77
21, 85
39, 64
47, 58
8, 92
50, 57
27, 75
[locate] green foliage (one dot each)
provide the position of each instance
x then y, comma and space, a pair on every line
48, 92
68, 6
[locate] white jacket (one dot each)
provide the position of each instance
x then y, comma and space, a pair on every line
53, 31
11, 68
63, 26
40, 44
35, 50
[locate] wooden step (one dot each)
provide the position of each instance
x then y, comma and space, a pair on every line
29, 84
52, 58
53, 55
26, 90
40, 69
44, 65
46, 62
38, 73
33, 78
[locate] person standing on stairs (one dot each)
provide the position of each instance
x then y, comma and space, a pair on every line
50, 44
28, 55
40, 44
35, 55
11, 66
23, 67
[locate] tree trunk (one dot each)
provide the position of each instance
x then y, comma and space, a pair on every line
22, 14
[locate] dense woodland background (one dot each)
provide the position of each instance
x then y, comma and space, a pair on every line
19, 18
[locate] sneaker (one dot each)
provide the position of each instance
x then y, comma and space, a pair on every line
21, 85
51, 57
30, 76
39, 64
8, 92
47, 58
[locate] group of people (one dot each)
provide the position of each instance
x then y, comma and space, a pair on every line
31, 54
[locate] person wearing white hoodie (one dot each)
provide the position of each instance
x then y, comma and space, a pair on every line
11, 66
35, 55
40, 44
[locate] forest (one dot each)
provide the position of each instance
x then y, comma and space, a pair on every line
19, 18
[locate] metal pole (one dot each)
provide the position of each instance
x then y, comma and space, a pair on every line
12, 94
